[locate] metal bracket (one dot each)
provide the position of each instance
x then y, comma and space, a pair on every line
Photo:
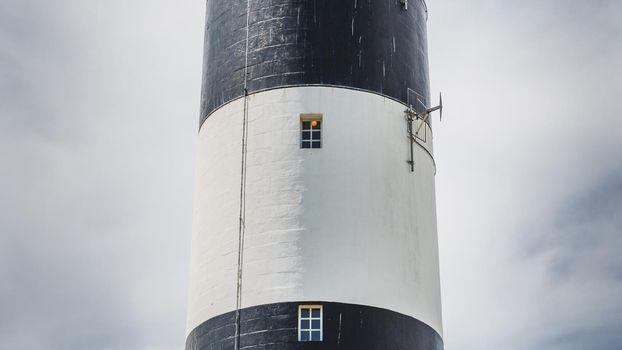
410, 118
413, 115
404, 4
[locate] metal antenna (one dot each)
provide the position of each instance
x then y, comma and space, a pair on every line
413, 115
428, 111
440, 101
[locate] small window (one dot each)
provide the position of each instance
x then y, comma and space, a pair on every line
310, 323
311, 131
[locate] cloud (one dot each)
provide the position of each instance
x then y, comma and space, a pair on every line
580, 245
529, 169
98, 106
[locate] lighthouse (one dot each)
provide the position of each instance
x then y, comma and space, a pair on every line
314, 223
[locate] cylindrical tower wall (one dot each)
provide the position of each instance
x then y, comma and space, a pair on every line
346, 227
376, 46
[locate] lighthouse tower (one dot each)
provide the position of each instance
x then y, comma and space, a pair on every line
314, 220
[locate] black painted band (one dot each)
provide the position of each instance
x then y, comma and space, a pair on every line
370, 45
345, 326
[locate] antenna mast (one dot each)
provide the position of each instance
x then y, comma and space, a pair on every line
412, 115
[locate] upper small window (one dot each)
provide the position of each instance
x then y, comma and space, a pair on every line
311, 131
310, 323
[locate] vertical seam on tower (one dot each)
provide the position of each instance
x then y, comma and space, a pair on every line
242, 223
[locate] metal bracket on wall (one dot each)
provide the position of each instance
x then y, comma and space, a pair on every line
412, 116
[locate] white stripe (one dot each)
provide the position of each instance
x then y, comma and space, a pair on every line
346, 223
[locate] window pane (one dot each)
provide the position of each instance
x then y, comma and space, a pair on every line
305, 313
318, 126
306, 144
306, 125
316, 135
306, 135
304, 336
315, 336
316, 144
315, 324
304, 324
316, 312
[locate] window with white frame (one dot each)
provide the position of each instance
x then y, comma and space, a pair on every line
310, 323
311, 131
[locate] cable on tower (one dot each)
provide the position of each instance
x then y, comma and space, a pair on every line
242, 218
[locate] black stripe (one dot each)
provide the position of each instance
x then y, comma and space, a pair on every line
345, 326
376, 46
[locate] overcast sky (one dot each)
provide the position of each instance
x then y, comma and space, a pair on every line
98, 121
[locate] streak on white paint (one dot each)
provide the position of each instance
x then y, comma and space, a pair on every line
346, 223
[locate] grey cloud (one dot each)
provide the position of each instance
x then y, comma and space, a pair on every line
580, 245
529, 172
605, 337
96, 175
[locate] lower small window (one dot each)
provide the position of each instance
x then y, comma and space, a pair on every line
310, 323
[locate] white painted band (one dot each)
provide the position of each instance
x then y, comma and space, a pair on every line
345, 223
